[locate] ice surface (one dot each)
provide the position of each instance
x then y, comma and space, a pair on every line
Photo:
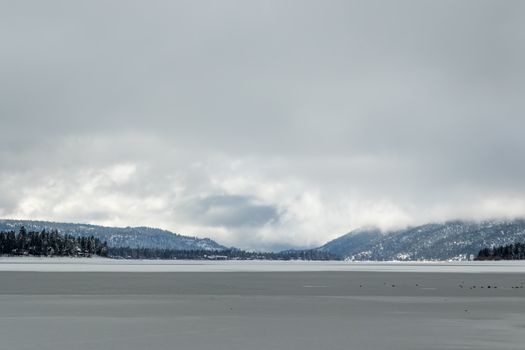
360, 310
107, 265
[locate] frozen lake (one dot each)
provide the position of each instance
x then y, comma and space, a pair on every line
48, 304
114, 265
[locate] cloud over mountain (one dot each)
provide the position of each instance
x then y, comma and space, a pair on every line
262, 123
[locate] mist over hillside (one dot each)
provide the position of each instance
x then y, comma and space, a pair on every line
435, 241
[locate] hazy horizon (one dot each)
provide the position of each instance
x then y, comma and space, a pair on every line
262, 124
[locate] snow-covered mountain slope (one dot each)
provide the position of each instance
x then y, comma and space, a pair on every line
353, 242
134, 237
437, 241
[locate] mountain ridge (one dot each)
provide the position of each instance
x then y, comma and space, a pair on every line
454, 239
449, 240
133, 237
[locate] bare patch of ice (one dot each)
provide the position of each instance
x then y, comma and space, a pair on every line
109, 265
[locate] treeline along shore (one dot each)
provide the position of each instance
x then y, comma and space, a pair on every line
53, 243
49, 243
227, 254
506, 252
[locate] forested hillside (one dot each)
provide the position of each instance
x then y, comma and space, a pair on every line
50, 243
134, 237
456, 240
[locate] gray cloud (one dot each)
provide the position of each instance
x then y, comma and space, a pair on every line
231, 211
220, 118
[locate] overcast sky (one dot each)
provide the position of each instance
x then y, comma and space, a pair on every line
262, 124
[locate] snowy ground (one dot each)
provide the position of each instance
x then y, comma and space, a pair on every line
108, 265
